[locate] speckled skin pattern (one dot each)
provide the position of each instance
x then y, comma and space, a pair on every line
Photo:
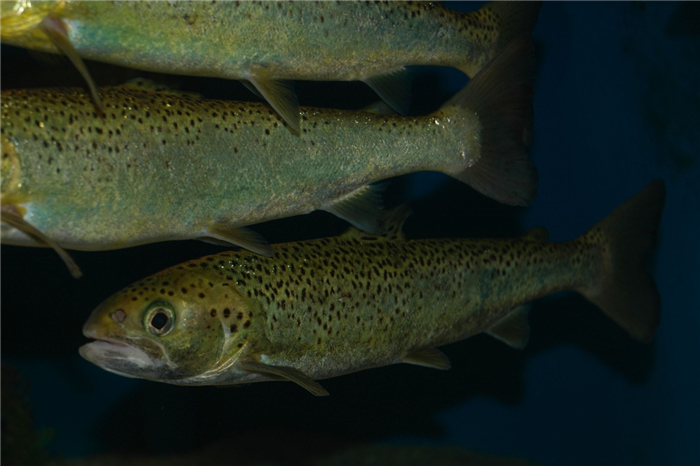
161, 166
283, 40
337, 305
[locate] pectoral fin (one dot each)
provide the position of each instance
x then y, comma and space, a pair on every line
281, 96
243, 237
394, 88
12, 217
285, 373
56, 29
363, 208
513, 329
428, 357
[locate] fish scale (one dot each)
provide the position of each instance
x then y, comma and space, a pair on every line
331, 306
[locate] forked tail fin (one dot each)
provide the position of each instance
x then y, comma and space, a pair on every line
498, 100
626, 291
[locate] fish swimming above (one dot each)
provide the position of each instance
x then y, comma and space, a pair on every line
328, 307
267, 44
162, 166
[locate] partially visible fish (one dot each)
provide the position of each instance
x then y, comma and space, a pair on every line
328, 307
162, 166
269, 43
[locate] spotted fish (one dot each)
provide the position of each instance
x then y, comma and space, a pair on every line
267, 44
328, 307
162, 166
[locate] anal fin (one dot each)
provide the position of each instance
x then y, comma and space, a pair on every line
281, 96
11, 216
285, 373
249, 85
428, 357
243, 237
56, 29
394, 87
363, 208
513, 329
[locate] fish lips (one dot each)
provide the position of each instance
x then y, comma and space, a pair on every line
122, 359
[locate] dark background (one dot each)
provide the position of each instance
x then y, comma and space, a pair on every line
617, 104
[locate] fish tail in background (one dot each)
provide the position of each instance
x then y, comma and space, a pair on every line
626, 291
500, 96
510, 19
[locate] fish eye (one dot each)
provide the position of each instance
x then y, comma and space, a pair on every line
159, 321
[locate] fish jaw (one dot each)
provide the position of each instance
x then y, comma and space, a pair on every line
122, 359
119, 349
116, 354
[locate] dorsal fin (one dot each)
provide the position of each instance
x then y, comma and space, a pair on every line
379, 108
390, 228
537, 234
149, 85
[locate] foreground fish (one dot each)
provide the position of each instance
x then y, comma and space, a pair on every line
268, 43
332, 306
162, 166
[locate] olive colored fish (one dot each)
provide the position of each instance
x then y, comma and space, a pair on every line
162, 166
269, 43
328, 307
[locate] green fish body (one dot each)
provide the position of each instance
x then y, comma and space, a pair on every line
163, 166
332, 306
266, 43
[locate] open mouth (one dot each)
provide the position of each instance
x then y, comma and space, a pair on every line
116, 356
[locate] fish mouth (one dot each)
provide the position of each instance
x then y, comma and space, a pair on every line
121, 358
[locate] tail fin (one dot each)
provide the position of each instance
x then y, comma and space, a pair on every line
627, 292
501, 98
503, 22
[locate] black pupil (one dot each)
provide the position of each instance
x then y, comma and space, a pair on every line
159, 320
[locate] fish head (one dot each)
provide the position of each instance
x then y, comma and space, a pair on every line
172, 327
19, 21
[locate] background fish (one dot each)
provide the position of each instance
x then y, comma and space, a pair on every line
328, 307
163, 166
266, 44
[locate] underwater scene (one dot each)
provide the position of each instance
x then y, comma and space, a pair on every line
616, 105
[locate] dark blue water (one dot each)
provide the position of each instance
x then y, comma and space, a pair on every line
617, 104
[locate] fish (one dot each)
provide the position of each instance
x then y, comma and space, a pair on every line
165, 165
268, 45
327, 307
